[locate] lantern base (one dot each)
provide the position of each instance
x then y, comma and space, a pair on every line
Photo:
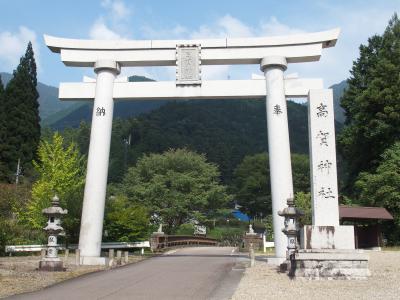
51, 265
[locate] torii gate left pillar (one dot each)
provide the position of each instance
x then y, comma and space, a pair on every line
97, 167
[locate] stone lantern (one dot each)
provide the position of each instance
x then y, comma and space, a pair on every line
51, 262
291, 215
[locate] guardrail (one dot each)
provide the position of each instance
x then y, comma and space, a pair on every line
110, 245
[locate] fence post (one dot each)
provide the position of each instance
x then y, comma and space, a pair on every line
110, 257
77, 257
119, 254
66, 255
126, 257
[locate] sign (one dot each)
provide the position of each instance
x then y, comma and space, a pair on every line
188, 64
200, 230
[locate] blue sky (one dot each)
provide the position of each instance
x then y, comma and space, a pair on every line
22, 20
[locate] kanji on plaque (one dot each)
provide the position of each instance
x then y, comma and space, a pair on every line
322, 110
322, 136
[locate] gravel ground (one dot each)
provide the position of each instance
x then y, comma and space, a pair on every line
264, 282
19, 274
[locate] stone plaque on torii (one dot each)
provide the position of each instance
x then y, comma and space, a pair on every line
272, 54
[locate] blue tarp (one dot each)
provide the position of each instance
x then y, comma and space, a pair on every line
240, 216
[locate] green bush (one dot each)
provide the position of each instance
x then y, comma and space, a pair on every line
185, 229
227, 236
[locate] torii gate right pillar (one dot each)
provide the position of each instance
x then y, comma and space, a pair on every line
278, 146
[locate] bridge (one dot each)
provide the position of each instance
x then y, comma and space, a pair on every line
161, 242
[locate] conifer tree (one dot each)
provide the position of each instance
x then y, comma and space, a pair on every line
21, 110
372, 101
2, 129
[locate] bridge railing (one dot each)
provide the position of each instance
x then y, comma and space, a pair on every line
160, 242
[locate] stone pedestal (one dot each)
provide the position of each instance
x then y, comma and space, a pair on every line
327, 237
51, 264
331, 264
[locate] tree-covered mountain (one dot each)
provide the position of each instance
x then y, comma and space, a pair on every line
72, 116
338, 90
48, 99
61, 114
225, 131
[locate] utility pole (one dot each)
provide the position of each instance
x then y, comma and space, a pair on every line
18, 173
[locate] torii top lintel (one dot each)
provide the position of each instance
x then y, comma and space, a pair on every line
296, 48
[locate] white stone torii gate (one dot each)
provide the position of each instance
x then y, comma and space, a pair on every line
272, 54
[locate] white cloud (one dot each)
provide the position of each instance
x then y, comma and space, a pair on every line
100, 31
356, 27
113, 25
274, 27
226, 26
13, 46
176, 32
117, 9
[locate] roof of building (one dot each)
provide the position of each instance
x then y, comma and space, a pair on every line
352, 212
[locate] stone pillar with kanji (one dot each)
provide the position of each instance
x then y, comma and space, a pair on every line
325, 232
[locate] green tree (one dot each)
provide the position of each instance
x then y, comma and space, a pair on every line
382, 188
3, 130
372, 101
178, 185
61, 171
251, 183
303, 202
301, 172
21, 112
12, 231
126, 221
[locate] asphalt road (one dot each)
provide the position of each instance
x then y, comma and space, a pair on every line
188, 273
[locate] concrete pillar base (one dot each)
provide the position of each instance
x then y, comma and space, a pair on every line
93, 261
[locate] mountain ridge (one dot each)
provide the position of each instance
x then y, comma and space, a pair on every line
61, 114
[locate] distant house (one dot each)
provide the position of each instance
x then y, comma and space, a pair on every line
367, 229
